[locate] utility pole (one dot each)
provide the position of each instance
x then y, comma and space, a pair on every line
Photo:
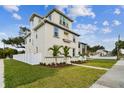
118, 47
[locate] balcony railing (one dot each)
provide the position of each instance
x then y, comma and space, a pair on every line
67, 40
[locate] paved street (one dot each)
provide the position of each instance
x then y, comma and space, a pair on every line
114, 78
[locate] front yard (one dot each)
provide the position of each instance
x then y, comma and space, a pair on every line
19, 74
105, 63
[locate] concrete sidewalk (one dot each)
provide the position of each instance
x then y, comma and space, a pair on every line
1, 73
100, 68
114, 78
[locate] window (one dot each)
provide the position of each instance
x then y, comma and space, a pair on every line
36, 49
73, 52
73, 38
25, 41
63, 21
79, 53
32, 22
49, 17
29, 40
39, 20
65, 33
78, 45
36, 36
56, 32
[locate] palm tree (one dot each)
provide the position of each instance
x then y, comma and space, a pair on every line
66, 52
56, 50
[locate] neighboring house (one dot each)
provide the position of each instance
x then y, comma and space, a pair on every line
101, 52
53, 29
122, 51
82, 48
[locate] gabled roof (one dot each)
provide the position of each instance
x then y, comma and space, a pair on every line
61, 13
47, 21
33, 15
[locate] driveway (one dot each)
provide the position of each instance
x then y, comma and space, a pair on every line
114, 78
1, 73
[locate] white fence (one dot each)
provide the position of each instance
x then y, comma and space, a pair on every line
37, 59
29, 58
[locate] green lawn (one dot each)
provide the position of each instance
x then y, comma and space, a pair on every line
18, 74
106, 63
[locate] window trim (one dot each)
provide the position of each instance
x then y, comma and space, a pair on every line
73, 52
56, 30
74, 39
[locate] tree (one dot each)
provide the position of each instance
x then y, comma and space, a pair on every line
95, 48
55, 51
120, 45
18, 41
23, 31
66, 51
7, 52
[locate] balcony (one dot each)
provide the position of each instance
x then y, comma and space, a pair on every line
67, 40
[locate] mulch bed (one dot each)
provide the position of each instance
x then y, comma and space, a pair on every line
56, 65
78, 62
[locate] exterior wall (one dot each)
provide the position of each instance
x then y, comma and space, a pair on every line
82, 48
37, 40
51, 40
35, 22
43, 38
56, 19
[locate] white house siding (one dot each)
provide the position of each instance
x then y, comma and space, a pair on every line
45, 39
56, 19
51, 40
82, 48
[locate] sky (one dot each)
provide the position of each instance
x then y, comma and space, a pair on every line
97, 24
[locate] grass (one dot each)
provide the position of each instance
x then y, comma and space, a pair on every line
106, 63
18, 74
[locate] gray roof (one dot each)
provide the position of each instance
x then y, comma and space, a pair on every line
82, 43
64, 28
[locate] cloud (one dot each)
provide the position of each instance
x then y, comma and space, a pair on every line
116, 23
95, 22
45, 6
62, 7
106, 23
86, 28
17, 16
122, 6
3, 35
106, 30
77, 11
107, 40
11, 8
117, 11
